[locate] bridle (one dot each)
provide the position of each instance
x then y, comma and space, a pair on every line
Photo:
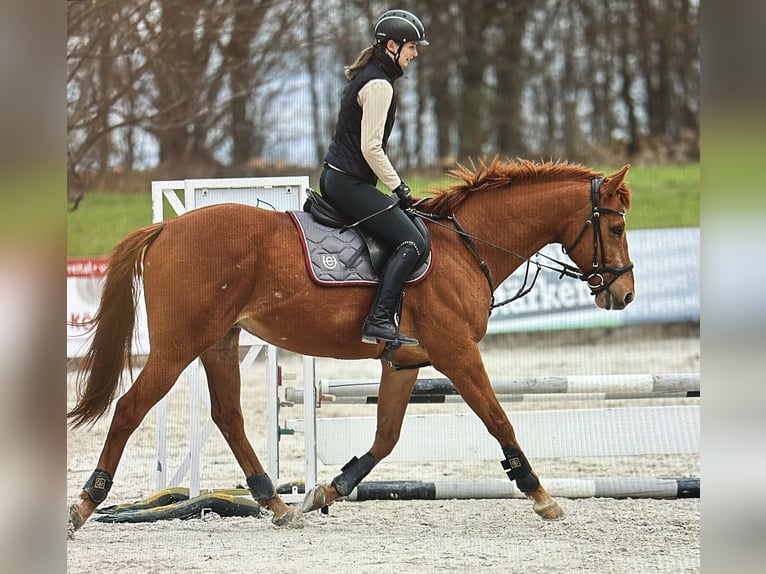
598, 263
563, 268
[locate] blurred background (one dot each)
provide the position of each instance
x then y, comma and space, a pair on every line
210, 88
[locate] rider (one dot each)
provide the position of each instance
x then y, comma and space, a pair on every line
357, 159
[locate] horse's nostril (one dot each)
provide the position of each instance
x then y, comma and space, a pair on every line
628, 298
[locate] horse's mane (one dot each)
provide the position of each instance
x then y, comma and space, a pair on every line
498, 173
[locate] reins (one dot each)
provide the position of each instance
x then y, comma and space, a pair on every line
470, 241
357, 223
563, 268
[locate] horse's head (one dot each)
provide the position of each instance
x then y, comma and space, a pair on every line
599, 247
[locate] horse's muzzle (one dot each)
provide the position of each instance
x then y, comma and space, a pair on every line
611, 301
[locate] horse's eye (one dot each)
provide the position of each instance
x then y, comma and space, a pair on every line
617, 230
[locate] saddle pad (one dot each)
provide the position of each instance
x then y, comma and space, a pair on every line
339, 257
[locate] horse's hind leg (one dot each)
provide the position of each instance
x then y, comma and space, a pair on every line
153, 383
394, 395
221, 363
469, 377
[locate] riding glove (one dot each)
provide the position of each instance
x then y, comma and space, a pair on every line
404, 195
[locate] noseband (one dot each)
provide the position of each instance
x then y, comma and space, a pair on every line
594, 221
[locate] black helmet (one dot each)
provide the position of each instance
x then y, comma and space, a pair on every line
401, 27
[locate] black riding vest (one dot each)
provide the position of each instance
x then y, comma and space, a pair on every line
345, 151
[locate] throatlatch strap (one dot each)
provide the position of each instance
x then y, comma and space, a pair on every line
352, 474
517, 468
261, 487
98, 485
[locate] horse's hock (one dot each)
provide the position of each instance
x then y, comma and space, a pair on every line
275, 193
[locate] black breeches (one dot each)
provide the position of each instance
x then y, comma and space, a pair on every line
359, 200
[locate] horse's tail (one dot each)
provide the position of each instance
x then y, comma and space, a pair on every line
100, 370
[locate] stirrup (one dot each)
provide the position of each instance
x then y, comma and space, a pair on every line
398, 340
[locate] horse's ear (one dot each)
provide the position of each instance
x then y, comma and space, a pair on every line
613, 182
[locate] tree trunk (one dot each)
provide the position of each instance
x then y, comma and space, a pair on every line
510, 81
472, 106
628, 79
241, 78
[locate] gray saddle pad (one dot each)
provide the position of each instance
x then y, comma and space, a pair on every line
339, 256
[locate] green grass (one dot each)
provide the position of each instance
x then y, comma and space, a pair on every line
663, 196
103, 218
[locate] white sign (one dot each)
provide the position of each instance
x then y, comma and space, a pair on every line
666, 272
84, 283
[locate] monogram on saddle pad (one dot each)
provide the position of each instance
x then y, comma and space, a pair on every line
338, 253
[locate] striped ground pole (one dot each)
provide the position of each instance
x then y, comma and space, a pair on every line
441, 390
600, 487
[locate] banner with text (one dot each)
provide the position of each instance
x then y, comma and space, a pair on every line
666, 273
84, 282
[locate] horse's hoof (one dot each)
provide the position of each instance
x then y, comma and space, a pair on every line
290, 519
74, 522
549, 511
314, 499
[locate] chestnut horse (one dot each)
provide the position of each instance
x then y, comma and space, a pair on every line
214, 271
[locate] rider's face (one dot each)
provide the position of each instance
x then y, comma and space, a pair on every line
409, 53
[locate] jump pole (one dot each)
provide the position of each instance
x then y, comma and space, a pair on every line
601, 487
440, 390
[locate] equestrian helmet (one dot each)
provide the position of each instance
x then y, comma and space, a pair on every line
400, 26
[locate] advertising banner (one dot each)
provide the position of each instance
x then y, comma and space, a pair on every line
84, 282
667, 288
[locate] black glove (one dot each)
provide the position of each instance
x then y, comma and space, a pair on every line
404, 195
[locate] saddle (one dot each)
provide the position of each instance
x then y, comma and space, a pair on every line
339, 253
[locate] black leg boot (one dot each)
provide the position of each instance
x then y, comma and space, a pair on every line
380, 325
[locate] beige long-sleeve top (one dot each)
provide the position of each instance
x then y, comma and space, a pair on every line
375, 99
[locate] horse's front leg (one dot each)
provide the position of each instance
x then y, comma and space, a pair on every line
394, 395
466, 371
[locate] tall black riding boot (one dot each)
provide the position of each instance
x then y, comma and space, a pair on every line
380, 324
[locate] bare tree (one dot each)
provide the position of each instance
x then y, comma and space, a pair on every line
190, 73
472, 63
102, 70
438, 72
312, 65
509, 57
246, 19
206, 81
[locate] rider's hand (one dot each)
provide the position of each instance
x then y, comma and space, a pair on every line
404, 195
